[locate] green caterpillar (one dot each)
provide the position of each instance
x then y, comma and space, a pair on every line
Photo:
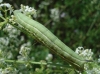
42, 34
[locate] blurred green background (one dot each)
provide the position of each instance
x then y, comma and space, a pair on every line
75, 22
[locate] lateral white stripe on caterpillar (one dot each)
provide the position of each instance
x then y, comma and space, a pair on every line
38, 31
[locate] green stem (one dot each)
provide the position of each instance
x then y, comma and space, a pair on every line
2, 17
19, 61
3, 23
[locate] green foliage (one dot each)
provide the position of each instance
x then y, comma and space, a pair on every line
75, 22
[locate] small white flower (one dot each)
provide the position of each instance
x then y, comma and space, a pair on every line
63, 15
55, 14
79, 50
84, 53
1, 1
9, 55
12, 19
49, 57
4, 41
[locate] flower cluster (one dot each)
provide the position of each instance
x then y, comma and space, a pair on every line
55, 14
9, 7
24, 51
8, 70
95, 70
85, 53
6, 5
90, 67
28, 10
